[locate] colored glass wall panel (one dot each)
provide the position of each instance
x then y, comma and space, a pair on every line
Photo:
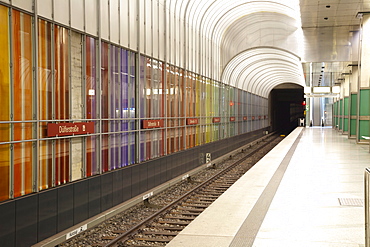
61, 161
5, 103
91, 104
23, 101
105, 105
147, 93
115, 107
181, 94
61, 84
132, 106
45, 101
61, 100
125, 106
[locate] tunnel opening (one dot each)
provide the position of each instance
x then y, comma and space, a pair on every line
287, 106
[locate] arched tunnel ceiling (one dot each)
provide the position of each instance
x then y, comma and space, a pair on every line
316, 31
262, 29
259, 70
254, 38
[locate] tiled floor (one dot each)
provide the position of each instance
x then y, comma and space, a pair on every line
326, 168
306, 210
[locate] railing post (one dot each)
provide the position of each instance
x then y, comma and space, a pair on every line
367, 213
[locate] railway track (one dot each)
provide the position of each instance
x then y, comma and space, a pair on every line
162, 226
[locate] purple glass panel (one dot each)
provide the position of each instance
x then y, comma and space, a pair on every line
124, 149
115, 108
142, 86
125, 89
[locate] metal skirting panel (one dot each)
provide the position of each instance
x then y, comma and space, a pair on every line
354, 202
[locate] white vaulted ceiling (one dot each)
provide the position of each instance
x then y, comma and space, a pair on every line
265, 43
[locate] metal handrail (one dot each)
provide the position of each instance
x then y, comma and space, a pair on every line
367, 206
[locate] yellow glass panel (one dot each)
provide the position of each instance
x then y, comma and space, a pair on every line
4, 102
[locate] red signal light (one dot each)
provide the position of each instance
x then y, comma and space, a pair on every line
304, 103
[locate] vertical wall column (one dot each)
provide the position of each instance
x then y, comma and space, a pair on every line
345, 106
353, 87
364, 83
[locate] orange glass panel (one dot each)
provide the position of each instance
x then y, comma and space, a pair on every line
105, 104
61, 73
45, 103
62, 161
23, 94
5, 103
61, 96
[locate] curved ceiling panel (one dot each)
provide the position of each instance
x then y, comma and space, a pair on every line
258, 41
262, 29
259, 70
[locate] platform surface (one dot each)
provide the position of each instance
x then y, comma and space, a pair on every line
308, 191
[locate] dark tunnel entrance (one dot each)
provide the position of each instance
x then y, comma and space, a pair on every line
286, 106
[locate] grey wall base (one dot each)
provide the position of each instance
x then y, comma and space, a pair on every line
33, 218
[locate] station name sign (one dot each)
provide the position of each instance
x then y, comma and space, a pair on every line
216, 120
68, 129
149, 124
191, 121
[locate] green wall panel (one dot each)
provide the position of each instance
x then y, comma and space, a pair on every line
353, 104
341, 114
363, 129
353, 127
364, 102
345, 113
346, 102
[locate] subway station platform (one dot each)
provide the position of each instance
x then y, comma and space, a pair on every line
307, 191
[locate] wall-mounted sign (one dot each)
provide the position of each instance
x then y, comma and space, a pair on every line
265, 117
260, 117
245, 118
253, 118
68, 129
148, 124
191, 121
208, 157
232, 119
216, 120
